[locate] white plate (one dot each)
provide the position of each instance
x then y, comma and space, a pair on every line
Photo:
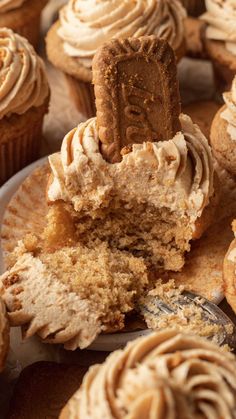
108, 342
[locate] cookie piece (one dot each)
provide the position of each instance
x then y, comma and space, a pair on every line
137, 95
43, 389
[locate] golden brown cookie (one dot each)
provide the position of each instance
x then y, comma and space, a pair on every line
202, 113
43, 389
136, 92
224, 148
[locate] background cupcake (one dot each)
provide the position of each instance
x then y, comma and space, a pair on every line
24, 97
23, 17
84, 25
220, 40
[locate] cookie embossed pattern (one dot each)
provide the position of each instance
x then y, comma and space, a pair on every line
136, 90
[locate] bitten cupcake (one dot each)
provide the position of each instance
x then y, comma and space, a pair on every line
220, 40
24, 98
23, 17
223, 132
85, 25
164, 375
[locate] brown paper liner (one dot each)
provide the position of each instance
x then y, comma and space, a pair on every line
25, 213
223, 76
4, 335
194, 7
25, 20
20, 146
82, 94
30, 30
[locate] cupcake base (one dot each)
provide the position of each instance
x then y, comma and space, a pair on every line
20, 140
82, 94
25, 20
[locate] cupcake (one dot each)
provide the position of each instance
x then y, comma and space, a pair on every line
23, 17
110, 225
24, 98
194, 7
164, 375
223, 132
220, 40
84, 26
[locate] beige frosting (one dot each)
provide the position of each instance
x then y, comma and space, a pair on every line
229, 114
221, 19
175, 174
6, 5
165, 375
87, 24
22, 74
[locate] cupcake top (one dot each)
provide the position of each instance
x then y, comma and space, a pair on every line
163, 375
87, 24
229, 114
175, 174
221, 19
6, 5
23, 77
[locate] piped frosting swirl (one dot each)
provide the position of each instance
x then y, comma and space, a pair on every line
22, 73
165, 375
221, 19
175, 174
87, 24
229, 114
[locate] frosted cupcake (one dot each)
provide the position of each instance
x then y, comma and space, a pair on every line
23, 17
164, 375
24, 98
85, 25
220, 40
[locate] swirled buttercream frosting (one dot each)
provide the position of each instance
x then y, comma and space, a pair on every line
6, 5
221, 20
175, 174
229, 114
165, 375
87, 24
22, 73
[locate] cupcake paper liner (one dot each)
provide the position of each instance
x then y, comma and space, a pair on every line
223, 76
30, 30
25, 213
21, 141
82, 94
194, 7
